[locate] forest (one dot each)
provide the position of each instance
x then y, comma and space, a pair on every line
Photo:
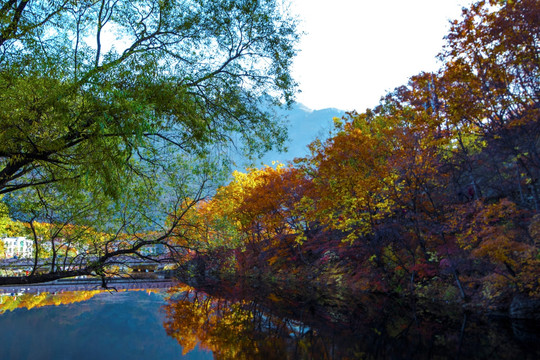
104, 151
433, 193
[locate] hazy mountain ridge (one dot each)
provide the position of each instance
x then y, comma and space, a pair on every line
304, 126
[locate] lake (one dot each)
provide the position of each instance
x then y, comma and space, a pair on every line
182, 322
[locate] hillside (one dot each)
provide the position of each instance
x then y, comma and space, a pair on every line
304, 126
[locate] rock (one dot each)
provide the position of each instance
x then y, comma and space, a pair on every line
524, 307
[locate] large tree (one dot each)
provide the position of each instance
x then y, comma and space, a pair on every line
111, 108
84, 85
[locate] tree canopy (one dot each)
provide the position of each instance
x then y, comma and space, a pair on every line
89, 89
114, 113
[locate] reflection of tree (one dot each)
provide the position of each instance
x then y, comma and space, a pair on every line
235, 329
29, 301
267, 326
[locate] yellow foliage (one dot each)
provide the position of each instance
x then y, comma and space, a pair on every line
30, 301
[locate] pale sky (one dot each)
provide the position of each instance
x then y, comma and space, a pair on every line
354, 51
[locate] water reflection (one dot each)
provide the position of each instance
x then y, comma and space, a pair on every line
88, 325
243, 323
234, 324
30, 300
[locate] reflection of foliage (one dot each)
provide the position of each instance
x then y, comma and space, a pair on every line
230, 329
258, 324
30, 301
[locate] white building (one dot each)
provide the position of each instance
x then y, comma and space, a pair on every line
19, 247
153, 250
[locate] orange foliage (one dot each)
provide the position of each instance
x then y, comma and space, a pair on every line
437, 181
492, 232
271, 214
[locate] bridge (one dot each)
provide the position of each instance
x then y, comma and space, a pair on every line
124, 263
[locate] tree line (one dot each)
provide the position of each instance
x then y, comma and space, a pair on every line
434, 192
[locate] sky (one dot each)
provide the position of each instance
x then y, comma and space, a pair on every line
354, 51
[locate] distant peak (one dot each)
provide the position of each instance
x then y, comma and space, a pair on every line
304, 108
309, 110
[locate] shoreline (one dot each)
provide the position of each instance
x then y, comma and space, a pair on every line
521, 307
87, 284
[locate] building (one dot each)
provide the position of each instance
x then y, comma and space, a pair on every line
19, 247
153, 250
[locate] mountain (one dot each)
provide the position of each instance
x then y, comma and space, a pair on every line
304, 126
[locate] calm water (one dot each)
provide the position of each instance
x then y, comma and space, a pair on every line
184, 323
123, 325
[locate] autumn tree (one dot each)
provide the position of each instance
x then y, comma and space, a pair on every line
393, 181
487, 93
265, 217
257, 211
432, 191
